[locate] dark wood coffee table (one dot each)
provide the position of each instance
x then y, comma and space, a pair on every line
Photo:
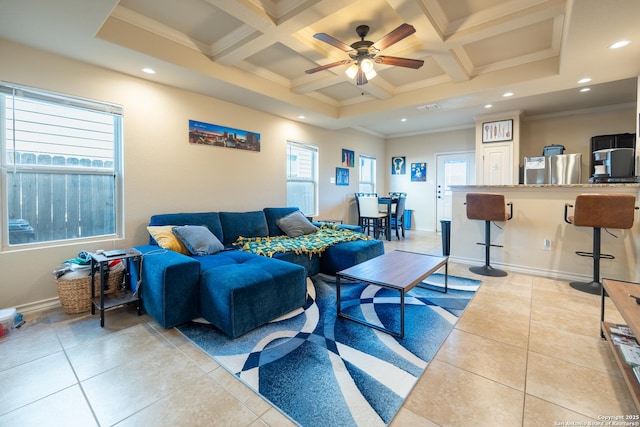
399, 270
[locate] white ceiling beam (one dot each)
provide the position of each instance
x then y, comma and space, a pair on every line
428, 18
477, 30
269, 29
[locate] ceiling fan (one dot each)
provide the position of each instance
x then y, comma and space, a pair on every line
364, 53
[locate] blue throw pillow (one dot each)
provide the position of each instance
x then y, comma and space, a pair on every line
245, 224
198, 239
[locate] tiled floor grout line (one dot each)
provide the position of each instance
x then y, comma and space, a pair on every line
526, 363
71, 332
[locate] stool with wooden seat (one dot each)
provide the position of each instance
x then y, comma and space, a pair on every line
599, 211
488, 207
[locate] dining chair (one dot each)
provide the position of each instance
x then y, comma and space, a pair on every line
397, 214
360, 218
385, 207
395, 195
369, 218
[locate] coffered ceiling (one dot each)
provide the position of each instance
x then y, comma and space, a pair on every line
255, 53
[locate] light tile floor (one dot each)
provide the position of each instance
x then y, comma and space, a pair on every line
526, 352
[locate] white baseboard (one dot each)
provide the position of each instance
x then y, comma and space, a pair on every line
550, 274
41, 305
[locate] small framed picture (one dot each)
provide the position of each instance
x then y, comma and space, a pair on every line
398, 165
342, 176
348, 158
497, 131
418, 171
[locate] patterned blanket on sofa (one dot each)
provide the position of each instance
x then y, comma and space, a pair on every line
314, 243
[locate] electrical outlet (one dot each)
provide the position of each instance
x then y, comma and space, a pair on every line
332, 180
546, 244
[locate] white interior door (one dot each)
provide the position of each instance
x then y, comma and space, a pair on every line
451, 169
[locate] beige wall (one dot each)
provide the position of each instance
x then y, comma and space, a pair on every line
574, 131
571, 130
421, 196
162, 171
538, 215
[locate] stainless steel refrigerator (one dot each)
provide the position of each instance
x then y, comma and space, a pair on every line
559, 169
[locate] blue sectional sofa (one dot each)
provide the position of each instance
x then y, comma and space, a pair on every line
236, 291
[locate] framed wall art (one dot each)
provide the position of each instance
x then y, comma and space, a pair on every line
497, 131
398, 165
342, 176
348, 158
221, 136
418, 171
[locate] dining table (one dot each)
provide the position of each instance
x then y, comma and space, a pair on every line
385, 205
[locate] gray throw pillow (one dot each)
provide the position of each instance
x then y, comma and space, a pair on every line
296, 224
198, 239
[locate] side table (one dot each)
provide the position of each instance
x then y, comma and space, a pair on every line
100, 264
622, 294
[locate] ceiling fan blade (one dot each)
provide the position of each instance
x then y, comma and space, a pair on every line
333, 41
400, 62
327, 66
361, 78
394, 36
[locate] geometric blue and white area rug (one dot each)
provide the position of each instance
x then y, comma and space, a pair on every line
325, 371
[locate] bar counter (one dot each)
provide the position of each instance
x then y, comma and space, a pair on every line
538, 215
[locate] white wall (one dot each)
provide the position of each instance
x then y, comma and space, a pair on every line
162, 171
421, 196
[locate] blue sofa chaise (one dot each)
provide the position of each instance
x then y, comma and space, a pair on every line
234, 290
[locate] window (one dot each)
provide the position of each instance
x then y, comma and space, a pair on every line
367, 181
60, 167
302, 177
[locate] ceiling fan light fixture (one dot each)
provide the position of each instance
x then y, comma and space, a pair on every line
362, 71
370, 74
352, 71
367, 65
364, 53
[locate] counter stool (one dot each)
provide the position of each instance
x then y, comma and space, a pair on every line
488, 207
599, 211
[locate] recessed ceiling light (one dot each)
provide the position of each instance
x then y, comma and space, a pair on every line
617, 45
584, 80
403, 119
148, 70
585, 89
488, 106
301, 116
507, 94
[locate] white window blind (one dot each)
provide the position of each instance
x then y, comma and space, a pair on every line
302, 177
367, 177
61, 166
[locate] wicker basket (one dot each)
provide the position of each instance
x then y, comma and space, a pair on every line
75, 294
